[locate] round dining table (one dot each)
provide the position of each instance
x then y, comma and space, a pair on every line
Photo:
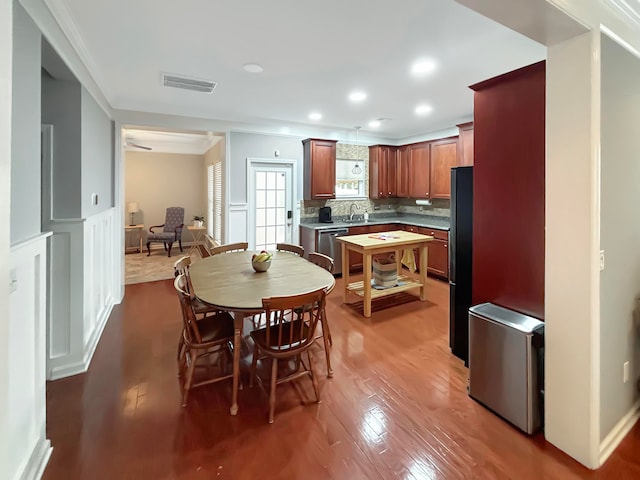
228, 282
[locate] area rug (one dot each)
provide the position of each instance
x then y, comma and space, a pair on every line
139, 268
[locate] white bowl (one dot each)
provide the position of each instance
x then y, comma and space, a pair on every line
261, 266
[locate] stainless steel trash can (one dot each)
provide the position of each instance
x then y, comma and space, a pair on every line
506, 352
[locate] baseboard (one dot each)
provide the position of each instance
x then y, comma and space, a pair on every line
70, 369
617, 433
37, 461
92, 344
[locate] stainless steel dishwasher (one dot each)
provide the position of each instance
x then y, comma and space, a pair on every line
328, 245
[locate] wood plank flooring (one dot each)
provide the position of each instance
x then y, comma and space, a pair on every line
397, 408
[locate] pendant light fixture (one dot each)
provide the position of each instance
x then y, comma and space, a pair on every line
356, 170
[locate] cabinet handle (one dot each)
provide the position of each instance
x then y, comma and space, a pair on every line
445, 245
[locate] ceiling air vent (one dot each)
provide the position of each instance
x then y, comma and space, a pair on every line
194, 84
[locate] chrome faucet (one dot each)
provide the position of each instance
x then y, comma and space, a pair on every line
351, 210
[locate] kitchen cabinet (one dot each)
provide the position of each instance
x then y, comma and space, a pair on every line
319, 169
382, 171
444, 155
419, 171
438, 252
465, 144
402, 171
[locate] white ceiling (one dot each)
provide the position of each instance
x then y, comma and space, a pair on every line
313, 53
196, 143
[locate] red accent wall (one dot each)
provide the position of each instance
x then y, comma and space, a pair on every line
508, 191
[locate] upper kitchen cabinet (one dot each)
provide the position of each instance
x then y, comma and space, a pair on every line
382, 171
444, 155
465, 144
419, 171
319, 169
402, 171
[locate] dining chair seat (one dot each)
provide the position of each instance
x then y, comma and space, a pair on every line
214, 327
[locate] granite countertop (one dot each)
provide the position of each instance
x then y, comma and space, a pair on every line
428, 221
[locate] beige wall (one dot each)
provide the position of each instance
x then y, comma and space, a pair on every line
160, 180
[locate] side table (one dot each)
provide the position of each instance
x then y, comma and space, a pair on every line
196, 233
134, 228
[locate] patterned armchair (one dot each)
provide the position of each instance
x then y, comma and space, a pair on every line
171, 230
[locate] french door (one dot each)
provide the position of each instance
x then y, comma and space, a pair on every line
270, 204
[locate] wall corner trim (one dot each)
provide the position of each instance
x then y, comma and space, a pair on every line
617, 433
37, 461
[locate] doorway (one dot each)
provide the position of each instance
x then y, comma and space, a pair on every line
270, 188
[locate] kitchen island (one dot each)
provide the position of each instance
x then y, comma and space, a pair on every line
384, 242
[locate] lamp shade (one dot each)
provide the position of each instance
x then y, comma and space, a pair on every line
132, 207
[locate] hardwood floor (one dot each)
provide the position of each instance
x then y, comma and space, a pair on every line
397, 407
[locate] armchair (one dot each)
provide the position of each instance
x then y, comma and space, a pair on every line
171, 230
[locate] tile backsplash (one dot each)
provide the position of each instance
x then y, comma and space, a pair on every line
341, 208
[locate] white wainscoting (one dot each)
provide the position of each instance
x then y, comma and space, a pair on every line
82, 281
29, 447
237, 226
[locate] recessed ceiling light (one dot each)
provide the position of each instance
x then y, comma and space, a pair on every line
315, 116
253, 67
423, 109
357, 96
374, 123
423, 67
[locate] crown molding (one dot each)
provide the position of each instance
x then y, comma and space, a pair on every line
630, 13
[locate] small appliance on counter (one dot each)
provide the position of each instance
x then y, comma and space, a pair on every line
325, 215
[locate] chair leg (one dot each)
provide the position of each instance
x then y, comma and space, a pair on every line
187, 385
180, 244
326, 337
312, 372
272, 393
169, 251
181, 354
325, 324
254, 364
148, 248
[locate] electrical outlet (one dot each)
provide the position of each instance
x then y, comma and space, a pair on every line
625, 372
311, 210
601, 260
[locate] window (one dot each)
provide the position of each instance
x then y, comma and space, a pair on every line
349, 178
214, 201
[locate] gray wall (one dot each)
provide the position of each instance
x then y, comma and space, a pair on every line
61, 107
25, 128
255, 145
97, 156
620, 233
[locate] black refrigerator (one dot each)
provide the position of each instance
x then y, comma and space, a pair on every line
460, 255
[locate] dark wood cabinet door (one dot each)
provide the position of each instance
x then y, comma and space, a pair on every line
375, 174
391, 172
419, 172
402, 171
465, 144
355, 259
437, 252
382, 171
444, 155
320, 169
438, 258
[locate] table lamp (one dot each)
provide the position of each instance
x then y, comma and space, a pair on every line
132, 208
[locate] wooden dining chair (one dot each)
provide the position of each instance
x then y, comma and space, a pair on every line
288, 247
326, 262
230, 247
201, 309
212, 335
288, 335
